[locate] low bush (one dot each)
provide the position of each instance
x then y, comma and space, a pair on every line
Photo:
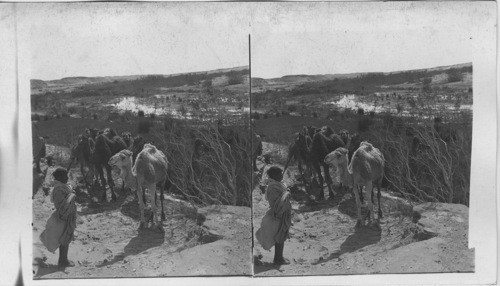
423, 165
143, 126
364, 123
210, 166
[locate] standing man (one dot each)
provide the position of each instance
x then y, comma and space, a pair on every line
278, 219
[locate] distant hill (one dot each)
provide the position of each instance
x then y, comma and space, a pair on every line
434, 69
37, 84
77, 81
303, 78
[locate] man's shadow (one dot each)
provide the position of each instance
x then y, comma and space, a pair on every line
43, 268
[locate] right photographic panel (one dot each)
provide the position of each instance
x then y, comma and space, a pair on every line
363, 118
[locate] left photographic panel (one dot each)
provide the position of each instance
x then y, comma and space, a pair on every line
140, 138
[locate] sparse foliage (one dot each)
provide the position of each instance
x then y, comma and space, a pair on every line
454, 75
206, 169
426, 167
399, 108
426, 84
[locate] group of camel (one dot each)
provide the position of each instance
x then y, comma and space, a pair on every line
358, 163
142, 166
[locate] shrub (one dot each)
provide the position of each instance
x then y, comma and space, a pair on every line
140, 113
399, 108
112, 116
347, 113
364, 123
72, 110
292, 108
127, 115
143, 126
424, 167
182, 110
234, 78
361, 111
332, 114
206, 172
388, 120
426, 84
454, 75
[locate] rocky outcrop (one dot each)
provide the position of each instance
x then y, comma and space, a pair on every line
440, 219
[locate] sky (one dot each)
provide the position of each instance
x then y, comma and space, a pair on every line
107, 39
329, 38
104, 39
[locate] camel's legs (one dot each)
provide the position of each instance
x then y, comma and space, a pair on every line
141, 205
358, 204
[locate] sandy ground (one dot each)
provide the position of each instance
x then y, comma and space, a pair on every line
323, 239
216, 240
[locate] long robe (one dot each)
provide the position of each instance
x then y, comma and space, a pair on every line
62, 223
276, 223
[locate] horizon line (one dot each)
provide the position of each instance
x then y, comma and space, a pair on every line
386, 72
131, 75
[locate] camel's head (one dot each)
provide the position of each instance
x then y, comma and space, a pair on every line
326, 130
366, 146
121, 159
149, 146
126, 136
337, 157
91, 132
344, 134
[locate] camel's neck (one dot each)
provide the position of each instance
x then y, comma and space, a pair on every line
343, 169
127, 176
345, 177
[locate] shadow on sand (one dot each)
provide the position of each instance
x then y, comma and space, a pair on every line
44, 268
311, 205
144, 240
92, 207
362, 237
260, 267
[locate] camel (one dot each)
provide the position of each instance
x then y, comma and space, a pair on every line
82, 152
338, 159
97, 154
256, 149
127, 138
150, 168
320, 147
312, 152
105, 148
298, 150
39, 149
367, 169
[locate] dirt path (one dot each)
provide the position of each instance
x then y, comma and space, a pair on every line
216, 240
323, 239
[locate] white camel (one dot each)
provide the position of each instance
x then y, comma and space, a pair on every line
367, 169
150, 168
